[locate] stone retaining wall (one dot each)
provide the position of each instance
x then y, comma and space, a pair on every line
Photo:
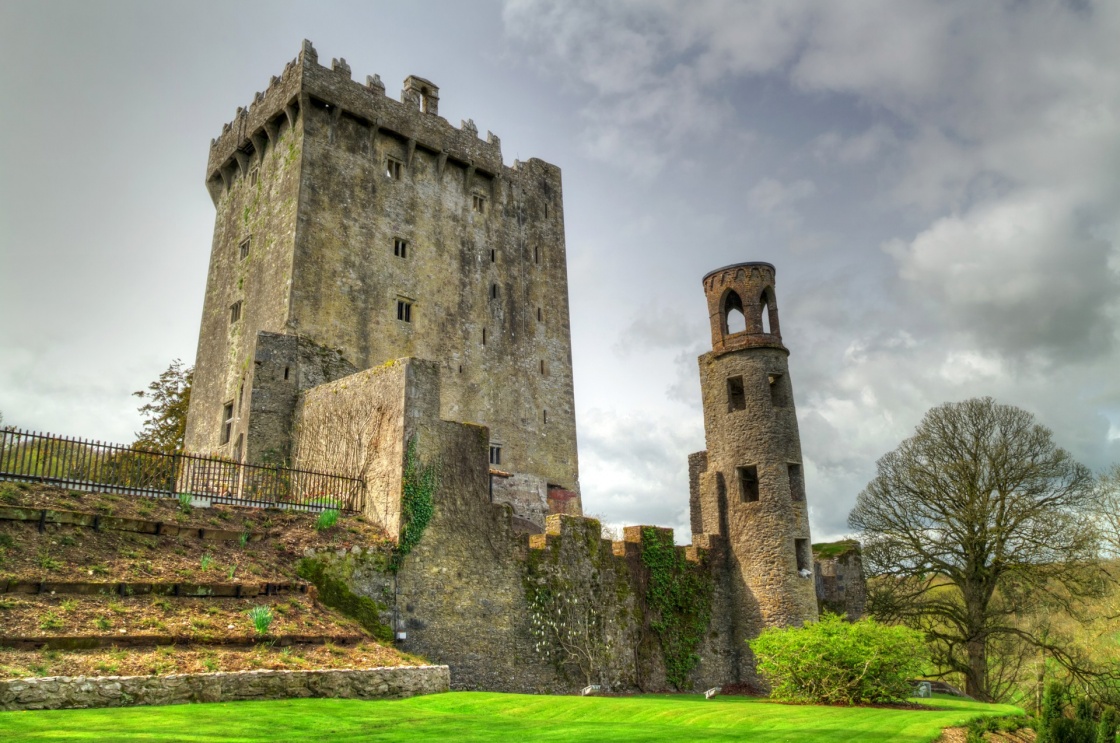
67, 692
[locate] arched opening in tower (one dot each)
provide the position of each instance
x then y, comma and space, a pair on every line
764, 308
733, 318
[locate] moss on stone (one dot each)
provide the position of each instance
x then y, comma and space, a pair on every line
335, 593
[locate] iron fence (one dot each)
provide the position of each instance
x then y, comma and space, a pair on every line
93, 465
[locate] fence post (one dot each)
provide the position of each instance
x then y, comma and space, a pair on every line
173, 480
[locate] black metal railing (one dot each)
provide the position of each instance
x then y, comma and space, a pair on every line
94, 465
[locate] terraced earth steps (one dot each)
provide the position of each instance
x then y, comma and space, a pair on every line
131, 596
99, 522
182, 590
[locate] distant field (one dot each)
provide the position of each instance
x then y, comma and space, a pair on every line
480, 716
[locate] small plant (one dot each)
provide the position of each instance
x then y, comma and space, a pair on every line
99, 569
6, 541
232, 570
185, 502
6, 604
116, 608
210, 664
261, 617
327, 519
50, 621
68, 541
103, 623
207, 562
46, 562
162, 604
244, 538
109, 669
68, 605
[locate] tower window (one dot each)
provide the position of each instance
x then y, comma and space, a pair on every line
244, 252
736, 398
804, 555
733, 318
493, 291
286, 372
227, 422
478, 203
540, 315
796, 482
778, 397
546, 211
544, 414
404, 310
748, 483
536, 254
544, 368
400, 247
484, 336
253, 176
495, 454
235, 312
493, 256
393, 168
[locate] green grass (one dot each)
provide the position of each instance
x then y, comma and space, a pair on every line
483, 716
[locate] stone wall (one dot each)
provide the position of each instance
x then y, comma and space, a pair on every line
355, 427
66, 692
841, 584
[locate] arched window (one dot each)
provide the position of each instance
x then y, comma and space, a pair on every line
764, 308
734, 320
769, 314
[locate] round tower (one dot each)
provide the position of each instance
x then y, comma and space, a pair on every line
752, 490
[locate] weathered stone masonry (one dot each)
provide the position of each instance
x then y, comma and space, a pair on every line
372, 229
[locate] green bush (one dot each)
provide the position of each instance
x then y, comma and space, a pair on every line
837, 662
327, 519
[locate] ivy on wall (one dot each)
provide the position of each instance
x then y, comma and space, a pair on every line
679, 598
418, 485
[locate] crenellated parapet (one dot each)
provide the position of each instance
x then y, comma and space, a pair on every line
304, 82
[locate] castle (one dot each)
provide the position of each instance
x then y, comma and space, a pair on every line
352, 229
385, 294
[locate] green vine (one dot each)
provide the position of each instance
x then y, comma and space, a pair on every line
417, 487
334, 591
680, 601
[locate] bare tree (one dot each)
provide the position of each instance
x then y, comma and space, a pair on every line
977, 519
1108, 510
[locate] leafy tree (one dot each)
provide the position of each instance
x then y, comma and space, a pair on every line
165, 409
977, 519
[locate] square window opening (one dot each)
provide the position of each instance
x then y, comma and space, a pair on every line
777, 390
400, 247
478, 203
748, 483
393, 168
736, 397
404, 311
244, 249
227, 422
495, 454
253, 176
235, 312
796, 482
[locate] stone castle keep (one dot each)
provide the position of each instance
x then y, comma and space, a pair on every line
383, 291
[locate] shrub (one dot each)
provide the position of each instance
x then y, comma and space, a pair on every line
185, 502
327, 519
837, 662
262, 619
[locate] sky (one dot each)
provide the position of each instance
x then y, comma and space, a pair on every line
937, 183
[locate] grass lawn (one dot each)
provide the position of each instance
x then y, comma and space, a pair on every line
483, 716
